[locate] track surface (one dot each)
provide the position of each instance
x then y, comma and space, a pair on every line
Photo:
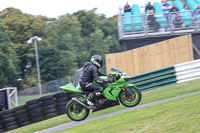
71, 124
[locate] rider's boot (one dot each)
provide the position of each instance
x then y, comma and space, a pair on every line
90, 100
91, 97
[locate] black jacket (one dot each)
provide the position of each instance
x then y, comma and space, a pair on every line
90, 73
174, 9
149, 7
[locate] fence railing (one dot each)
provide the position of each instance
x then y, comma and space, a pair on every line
49, 87
139, 26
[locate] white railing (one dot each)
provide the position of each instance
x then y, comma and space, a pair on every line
12, 96
187, 71
137, 26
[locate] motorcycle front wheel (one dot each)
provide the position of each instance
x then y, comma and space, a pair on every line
76, 112
130, 100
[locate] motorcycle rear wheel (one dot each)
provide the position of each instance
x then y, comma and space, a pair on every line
76, 112
130, 100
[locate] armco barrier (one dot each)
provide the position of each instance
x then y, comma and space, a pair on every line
53, 105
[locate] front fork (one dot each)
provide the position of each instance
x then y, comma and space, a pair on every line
128, 92
127, 89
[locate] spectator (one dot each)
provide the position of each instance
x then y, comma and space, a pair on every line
174, 8
185, 11
185, 8
149, 7
178, 22
127, 8
187, 16
166, 7
152, 22
197, 10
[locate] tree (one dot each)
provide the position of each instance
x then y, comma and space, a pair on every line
8, 61
90, 21
55, 64
110, 30
20, 27
8, 75
67, 42
98, 45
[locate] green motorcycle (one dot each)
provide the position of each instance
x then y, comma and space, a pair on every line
117, 91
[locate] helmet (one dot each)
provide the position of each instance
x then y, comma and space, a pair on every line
97, 60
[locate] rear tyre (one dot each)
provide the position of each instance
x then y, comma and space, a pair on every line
130, 100
76, 112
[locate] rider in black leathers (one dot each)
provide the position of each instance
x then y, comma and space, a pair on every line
91, 72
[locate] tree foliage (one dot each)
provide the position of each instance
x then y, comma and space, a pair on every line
8, 61
67, 43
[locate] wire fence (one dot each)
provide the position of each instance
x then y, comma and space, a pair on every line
47, 88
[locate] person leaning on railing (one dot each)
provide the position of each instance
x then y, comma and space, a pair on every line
186, 11
196, 13
197, 10
152, 21
185, 8
178, 21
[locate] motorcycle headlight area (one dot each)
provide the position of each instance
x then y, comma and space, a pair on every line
126, 78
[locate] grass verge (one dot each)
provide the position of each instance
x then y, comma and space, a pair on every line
176, 116
23, 99
149, 96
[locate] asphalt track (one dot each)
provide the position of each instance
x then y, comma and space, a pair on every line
71, 124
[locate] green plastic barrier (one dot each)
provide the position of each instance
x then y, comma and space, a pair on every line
152, 74
157, 82
155, 79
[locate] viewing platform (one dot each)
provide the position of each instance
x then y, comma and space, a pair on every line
136, 26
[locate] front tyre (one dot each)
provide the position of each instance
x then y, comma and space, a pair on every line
76, 112
130, 100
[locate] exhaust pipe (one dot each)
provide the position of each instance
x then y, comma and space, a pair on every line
79, 102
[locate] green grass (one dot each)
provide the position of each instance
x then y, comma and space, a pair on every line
149, 96
176, 116
23, 99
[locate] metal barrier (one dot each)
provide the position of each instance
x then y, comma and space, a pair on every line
137, 26
11, 97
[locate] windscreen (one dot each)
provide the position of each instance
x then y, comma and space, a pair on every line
77, 77
114, 69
